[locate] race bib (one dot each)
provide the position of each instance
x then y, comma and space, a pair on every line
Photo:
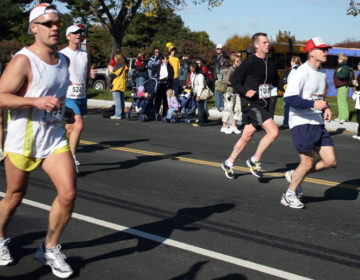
265, 91
54, 117
76, 91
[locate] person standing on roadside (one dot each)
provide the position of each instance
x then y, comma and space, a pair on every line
76, 100
219, 98
154, 60
342, 75
254, 80
175, 63
34, 87
305, 94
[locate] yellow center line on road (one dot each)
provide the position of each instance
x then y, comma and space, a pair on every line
216, 164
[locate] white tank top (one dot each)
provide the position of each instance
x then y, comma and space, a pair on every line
33, 132
78, 70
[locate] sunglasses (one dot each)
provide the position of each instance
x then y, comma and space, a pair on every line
50, 24
78, 32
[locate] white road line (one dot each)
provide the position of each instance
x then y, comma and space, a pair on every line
176, 244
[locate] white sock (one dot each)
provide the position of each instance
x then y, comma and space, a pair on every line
289, 192
252, 159
227, 162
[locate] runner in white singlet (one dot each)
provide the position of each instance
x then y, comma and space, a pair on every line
34, 87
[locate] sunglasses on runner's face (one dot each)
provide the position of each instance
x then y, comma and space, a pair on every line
50, 24
78, 32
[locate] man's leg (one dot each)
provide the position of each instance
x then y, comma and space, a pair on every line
61, 170
327, 158
272, 132
16, 186
305, 166
246, 136
74, 131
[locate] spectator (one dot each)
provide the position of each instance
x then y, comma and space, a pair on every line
341, 78
232, 104
184, 71
208, 79
175, 63
141, 73
356, 98
173, 104
118, 79
164, 73
219, 98
154, 60
197, 83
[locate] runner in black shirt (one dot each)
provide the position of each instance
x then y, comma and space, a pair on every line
255, 80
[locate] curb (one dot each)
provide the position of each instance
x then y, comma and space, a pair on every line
331, 126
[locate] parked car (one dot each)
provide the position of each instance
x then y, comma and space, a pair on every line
102, 74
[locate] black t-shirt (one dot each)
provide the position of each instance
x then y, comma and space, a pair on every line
253, 72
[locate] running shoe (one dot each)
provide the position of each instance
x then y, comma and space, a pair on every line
229, 172
357, 137
225, 130
234, 129
291, 200
55, 259
288, 175
255, 167
5, 257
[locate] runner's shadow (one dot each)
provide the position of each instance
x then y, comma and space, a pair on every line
131, 163
267, 179
192, 273
340, 130
159, 231
337, 193
233, 276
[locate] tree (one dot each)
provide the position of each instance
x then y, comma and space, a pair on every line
284, 36
115, 16
237, 43
354, 8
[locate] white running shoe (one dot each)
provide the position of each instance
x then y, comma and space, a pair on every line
5, 257
356, 137
288, 175
77, 164
55, 259
229, 171
115, 118
235, 130
255, 167
291, 201
225, 130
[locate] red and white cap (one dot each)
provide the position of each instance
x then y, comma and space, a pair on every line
74, 28
39, 10
316, 42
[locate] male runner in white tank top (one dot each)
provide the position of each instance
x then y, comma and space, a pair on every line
79, 70
33, 87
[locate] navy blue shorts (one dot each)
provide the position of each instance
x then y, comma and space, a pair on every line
308, 136
77, 105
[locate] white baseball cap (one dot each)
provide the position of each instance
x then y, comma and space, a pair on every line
73, 28
219, 46
39, 10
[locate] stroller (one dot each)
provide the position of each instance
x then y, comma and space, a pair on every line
188, 107
148, 109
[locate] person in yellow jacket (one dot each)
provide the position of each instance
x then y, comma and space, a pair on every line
175, 63
118, 75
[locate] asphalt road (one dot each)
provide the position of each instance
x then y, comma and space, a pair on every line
153, 203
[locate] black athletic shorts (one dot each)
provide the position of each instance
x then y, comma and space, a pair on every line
255, 115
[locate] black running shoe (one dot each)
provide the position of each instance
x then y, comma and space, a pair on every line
229, 172
255, 168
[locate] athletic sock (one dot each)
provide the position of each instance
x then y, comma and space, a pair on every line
288, 192
228, 163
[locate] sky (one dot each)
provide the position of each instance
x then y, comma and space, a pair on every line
303, 18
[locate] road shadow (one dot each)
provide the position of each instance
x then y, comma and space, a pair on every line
338, 131
233, 276
131, 163
267, 179
192, 273
339, 192
159, 231
89, 148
